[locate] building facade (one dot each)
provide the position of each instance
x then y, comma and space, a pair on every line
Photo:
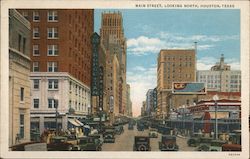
19, 83
221, 78
57, 99
60, 44
149, 101
128, 110
114, 42
173, 66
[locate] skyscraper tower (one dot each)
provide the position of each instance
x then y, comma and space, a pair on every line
112, 37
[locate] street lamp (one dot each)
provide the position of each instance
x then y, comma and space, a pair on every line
216, 98
100, 113
89, 107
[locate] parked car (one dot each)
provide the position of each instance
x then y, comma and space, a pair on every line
153, 133
140, 127
59, 143
98, 138
130, 126
87, 144
193, 141
216, 145
119, 129
168, 143
142, 143
109, 135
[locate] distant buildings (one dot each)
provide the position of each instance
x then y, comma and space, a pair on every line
61, 54
149, 101
19, 83
173, 66
221, 78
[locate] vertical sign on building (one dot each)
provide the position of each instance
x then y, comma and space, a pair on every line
95, 65
101, 87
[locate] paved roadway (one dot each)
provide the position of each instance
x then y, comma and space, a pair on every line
125, 141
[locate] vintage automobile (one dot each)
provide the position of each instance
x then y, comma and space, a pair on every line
119, 129
203, 144
140, 127
216, 145
153, 133
35, 146
130, 126
109, 135
59, 143
168, 143
164, 129
231, 147
193, 141
87, 144
98, 138
141, 143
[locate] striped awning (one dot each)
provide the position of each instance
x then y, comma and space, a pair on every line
73, 122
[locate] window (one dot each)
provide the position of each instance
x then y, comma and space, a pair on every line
21, 128
36, 32
52, 50
25, 14
36, 84
19, 42
35, 66
52, 103
52, 67
21, 94
52, 16
24, 44
52, 33
53, 84
36, 103
36, 16
36, 50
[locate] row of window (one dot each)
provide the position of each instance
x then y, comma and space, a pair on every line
52, 103
51, 66
52, 84
218, 76
178, 57
52, 16
52, 50
52, 33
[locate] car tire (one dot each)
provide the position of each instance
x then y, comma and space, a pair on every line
142, 148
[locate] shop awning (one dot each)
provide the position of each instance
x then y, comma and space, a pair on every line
80, 123
73, 122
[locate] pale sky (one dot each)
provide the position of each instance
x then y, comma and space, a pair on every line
148, 31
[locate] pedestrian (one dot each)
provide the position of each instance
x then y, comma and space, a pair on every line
17, 138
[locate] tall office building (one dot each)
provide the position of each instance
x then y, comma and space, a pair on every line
112, 37
173, 66
61, 54
19, 83
220, 77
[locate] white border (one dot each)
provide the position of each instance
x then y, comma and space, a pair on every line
119, 4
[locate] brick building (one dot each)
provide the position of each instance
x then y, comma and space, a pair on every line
61, 55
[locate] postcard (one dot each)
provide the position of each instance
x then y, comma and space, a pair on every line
110, 79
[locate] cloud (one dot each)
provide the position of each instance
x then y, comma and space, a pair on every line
140, 79
143, 45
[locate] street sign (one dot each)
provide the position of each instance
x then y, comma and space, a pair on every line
188, 88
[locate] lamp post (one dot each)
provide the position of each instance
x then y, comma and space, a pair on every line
216, 98
100, 115
89, 107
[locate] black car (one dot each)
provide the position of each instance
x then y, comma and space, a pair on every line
168, 143
119, 129
130, 126
59, 143
142, 143
87, 144
109, 134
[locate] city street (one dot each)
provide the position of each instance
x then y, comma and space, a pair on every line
125, 141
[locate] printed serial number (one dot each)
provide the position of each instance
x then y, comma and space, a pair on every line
234, 154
